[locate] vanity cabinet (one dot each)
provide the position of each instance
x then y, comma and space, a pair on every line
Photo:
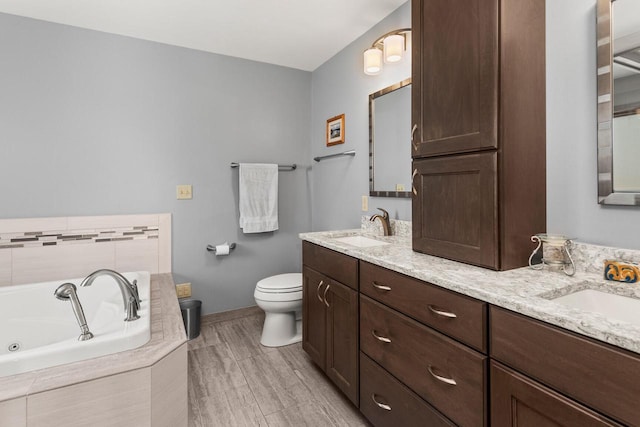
519, 401
478, 136
593, 375
419, 334
330, 315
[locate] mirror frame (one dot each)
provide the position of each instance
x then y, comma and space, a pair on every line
372, 97
606, 194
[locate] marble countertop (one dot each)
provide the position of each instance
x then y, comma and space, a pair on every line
523, 290
167, 334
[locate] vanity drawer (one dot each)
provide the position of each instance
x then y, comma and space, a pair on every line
340, 267
453, 314
385, 401
600, 376
447, 374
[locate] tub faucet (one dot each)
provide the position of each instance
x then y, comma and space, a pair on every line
129, 291
384, 219
67, 291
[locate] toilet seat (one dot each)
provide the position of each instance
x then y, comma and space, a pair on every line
280, 284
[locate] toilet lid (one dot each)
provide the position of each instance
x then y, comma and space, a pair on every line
289, 282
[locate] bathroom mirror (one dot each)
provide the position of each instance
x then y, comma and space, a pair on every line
618, 102
389, 141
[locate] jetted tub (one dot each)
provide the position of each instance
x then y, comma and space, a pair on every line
38, 331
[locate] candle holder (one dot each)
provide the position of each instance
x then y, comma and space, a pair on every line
555, 253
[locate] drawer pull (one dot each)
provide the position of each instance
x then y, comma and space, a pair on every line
445, 380
318, 290
324, 296
379, 338
380, 405
380, 287
442, 313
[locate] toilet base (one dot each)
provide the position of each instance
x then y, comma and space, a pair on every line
281, 329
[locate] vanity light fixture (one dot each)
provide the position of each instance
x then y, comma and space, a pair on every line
391, 47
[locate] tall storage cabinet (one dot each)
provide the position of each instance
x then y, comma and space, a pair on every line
478, 137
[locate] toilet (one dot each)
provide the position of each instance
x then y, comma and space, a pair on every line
281, 299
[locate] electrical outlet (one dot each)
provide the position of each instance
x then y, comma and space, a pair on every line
365, 203
184, 192
399, 187
183, 290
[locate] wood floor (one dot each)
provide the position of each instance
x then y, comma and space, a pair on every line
234, 381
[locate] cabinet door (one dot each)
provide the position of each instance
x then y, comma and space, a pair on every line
517, 401
455, 76
342, 339
314, 319
455, 208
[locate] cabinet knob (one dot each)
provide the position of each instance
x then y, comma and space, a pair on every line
380, 405
440, 378
442, 313
380, 287
318, 290
413, 131
380, 338
324, 296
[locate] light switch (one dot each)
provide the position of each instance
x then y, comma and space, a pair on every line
399, 187
365, 203
183, 192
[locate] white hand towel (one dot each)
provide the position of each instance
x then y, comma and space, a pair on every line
258, 198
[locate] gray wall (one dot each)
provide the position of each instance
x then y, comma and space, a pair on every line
340, 86
92, 124
572, 207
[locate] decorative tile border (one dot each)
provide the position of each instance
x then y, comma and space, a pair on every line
42, 249
53, 238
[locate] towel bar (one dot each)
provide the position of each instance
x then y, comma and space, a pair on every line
281, 167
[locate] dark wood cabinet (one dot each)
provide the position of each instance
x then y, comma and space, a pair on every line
385, 401
478, 86
455, 212
314, 316
445, 373
518, 401
454, 76
599, 376
342, 339
330, 316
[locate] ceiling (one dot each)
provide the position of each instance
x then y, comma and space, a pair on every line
301, 34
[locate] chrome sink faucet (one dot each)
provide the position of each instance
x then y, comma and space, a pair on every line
67, 291
129, 291
384, 219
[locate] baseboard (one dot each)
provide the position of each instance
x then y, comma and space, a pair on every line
231, 314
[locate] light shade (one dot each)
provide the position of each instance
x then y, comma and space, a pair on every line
372, 61
393, 48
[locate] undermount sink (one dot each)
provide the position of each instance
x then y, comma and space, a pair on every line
611, 305
360, 241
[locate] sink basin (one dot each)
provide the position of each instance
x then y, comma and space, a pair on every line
360, 241
611, 305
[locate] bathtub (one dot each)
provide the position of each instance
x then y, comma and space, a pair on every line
38, 331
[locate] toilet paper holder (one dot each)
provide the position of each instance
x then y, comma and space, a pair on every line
211, 248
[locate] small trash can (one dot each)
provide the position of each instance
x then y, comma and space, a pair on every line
191, 317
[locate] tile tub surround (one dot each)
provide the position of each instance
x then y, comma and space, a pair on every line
522, 290
167, 334
44, 249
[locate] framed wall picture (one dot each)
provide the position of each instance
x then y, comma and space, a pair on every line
335, 130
